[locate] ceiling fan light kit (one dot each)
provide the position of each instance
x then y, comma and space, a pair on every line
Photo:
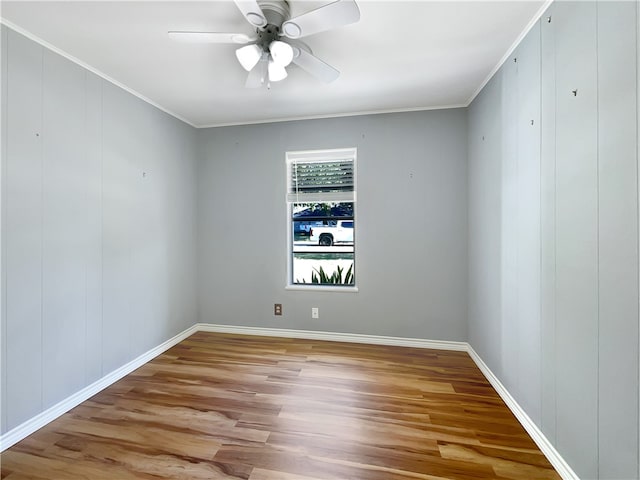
282, 53
249, 56
270, 50
276, 72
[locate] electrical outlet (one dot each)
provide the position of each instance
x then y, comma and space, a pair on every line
315, 312
277, 309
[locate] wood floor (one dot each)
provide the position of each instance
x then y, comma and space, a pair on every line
221, 406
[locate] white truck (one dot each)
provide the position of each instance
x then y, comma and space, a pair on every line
341, 232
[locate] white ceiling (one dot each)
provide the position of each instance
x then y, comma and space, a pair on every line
402, 55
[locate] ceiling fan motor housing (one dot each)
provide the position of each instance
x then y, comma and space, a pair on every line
276, 12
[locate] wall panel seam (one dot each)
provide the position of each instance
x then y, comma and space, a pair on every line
638, 224
87, 215
555, 231
598, 244
541, 240
42, 203
3, 258
102, 353
101, 90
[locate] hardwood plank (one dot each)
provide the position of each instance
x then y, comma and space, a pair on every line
221, 406
262, 474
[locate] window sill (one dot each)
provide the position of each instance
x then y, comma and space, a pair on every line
313, 288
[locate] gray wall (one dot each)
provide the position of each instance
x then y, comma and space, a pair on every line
102, 229
504, 224
98, 259
411, 221
553, 232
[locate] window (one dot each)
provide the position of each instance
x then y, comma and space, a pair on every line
321, 200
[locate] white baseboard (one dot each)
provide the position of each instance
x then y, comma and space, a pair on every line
532, 429
27, 428
335, 337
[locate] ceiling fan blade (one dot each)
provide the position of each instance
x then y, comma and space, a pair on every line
334, 15
314, 65
211, 37
258, 74
252, 12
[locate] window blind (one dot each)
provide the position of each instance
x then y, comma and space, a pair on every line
321, 180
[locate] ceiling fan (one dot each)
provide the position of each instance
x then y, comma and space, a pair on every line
274, 45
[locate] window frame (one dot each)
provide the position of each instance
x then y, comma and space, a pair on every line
319, 155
